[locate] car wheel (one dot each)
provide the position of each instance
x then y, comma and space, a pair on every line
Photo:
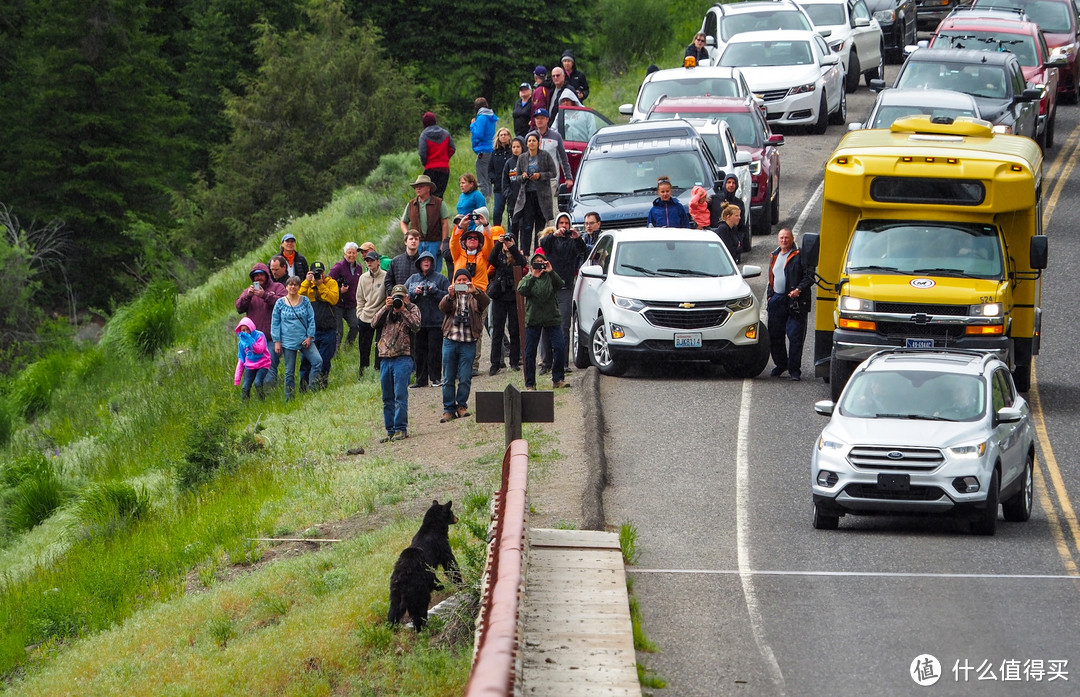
578, 348
853, 73
749, 363
1018, 508
877, 73
839, 373
839, 117
822, 117
825, 521
775, 212
985, 522
600, 351
1049, 135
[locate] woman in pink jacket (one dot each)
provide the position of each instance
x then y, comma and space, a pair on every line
252, 359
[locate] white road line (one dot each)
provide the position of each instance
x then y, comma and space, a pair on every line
797, 227
855, 574
742, 506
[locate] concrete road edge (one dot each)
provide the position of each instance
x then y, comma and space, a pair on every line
596, 478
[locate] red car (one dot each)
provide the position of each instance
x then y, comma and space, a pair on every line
752, 135
1003, 30
576, 124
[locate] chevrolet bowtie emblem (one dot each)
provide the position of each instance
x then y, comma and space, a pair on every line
686, 306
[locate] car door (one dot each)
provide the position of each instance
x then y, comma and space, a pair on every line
832, 75
1009, 437
866, 33
587, 291
1027, 113
577, 125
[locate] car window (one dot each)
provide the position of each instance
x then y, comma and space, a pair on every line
671, 258
687, 87
579, 125
826, 15
1052, 16
1020, 45
601, 253
745, 129
709, 28
1044, 50
977, 80
767, 53
764, 20
635, 173
823, 48
1019, 83
716, 148
914, 395
887, 114
999, 394
913, 247
859, 11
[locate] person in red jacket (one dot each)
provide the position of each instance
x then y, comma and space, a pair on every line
436, 148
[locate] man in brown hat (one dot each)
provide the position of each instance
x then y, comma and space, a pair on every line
428, 214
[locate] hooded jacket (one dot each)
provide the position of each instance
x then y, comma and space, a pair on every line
251, 351
564, 252
260, 310
436, 147
699, 206
575, 78
501, 271
426, 290
483, 130
670, 213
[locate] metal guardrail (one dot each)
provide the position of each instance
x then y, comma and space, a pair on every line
496, 668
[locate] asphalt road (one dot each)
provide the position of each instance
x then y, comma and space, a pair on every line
744, 597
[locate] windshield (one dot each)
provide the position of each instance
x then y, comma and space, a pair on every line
669, 258
1052, 16
914, 394
743, 126
887, 114
651, 92
826, 15
1022, 45
977, 80
764, 20
926, 248
638, 174
753, 54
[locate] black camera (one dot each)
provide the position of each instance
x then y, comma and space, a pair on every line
317, 275
539, 265
508, 238
398, 302
474, 216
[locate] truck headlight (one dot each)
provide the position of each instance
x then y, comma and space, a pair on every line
850, 303
985, 310
1062, 52
968, 452
755, 168
885, 16
627, 303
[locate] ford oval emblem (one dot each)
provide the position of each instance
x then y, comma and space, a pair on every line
922, 283
894, 455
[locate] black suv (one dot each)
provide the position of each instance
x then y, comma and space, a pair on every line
621, 164
995, 80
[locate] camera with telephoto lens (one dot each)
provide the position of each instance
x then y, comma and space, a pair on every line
539, 265
317, 275
398, 302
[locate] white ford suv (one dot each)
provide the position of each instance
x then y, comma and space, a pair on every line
926, 431
665, 293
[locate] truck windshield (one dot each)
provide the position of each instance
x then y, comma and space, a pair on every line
914, 394
926, 248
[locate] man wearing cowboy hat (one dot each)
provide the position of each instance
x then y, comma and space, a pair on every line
428, 214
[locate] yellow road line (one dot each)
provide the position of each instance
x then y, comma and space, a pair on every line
1055, 524
1064, 161
1050, 463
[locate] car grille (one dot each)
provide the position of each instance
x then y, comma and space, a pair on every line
915, 493
774, 95
687, 319
877, 458
625, 223
916, 308
900, 330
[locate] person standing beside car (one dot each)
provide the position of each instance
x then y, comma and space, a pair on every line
667, 211
564, 249
728, 230
502, 290
536, 169
542, 318
728, 196
788, 302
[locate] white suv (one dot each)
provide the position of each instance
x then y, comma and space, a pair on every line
926, 431
666, 293
685, 82
724, 20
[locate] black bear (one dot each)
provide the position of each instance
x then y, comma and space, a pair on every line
410, 588
413, 578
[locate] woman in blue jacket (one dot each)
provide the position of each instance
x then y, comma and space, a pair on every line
293, 328
666, 210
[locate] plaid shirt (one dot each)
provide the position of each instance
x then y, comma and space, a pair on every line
463, 331
396, 339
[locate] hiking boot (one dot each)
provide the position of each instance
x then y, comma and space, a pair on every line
545, 369
462, 412
446, 416
417, 384
494, 369
560, 384
400, 435
389, 437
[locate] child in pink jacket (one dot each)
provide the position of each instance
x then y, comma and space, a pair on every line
699, 207
252, 359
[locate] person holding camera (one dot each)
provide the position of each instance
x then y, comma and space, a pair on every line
426, 288
542, 319
463, 310
257, 303
323, 293
502, 260
370, 296
293, 330
396, 321
564, 247
510, 181
536, 169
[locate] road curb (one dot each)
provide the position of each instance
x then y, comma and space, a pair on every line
596, 478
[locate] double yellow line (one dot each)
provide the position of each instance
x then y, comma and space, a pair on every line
1061, 517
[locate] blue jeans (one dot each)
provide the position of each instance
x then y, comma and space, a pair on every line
500, 206
457, 360
312, 355
275, 361
558, 350
783, 323
394, 374
253, 376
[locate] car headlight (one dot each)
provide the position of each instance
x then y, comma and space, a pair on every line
755, 168
968, 452
627, 303
741, 303
850, 303
1062, 52
885, 16
803, 89
985, 310
837, 46
825, 443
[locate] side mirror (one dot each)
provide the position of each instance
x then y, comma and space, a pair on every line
831, 59
922, 44
775, 139
710, 41
592, 271
751, 271
1038, 252
861, 22
824, 407
855, 126
1008, 415
743, 158
626, 109
909, 49
877, 84
810, 248
1032, 95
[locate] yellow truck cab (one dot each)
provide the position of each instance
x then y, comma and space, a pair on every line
931, 237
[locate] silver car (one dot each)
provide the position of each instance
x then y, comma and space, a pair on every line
926, 431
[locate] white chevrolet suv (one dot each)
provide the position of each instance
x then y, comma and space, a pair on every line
926, 431
665, 293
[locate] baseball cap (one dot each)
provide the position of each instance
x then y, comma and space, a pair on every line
399, 290
524, 86
371, 256
368, 247
288, 236
318, 266
540, 70
541, 112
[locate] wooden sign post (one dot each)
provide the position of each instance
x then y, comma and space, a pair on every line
513, 407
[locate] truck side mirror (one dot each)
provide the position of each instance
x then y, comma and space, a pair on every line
809, 250
1038, 251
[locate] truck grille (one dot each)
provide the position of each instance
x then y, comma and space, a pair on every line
916, 308
876, 457
915, 493
687, 319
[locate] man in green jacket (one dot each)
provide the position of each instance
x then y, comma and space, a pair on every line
542, 317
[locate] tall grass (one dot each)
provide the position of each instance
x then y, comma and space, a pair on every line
32, 491
146, 326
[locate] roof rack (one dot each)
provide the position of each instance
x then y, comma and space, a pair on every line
944, 350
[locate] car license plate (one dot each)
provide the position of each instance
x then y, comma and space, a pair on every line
688, 341
919, 343
894, 482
